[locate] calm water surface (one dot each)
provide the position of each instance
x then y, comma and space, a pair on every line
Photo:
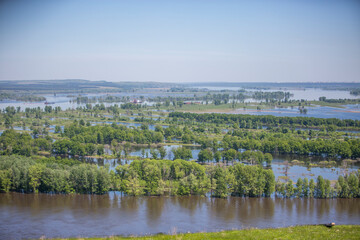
348, 112
298, 94
33, 216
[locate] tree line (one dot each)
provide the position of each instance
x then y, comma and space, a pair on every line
78, 139
266, 120
273, 142
22, 174
163, 177
345, 187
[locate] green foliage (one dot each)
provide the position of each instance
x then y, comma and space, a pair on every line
205, 155
268, 158
35, 172
299, 188
162, 177
12, 142
348, 186
5, 180
229, 155
23, 174
289, 187
154, 153
182, 153
181, 177
217, 156
345, 187
221, 189
279, 140
252, 181
162, 152
264, 120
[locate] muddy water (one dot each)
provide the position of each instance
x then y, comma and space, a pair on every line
34, 216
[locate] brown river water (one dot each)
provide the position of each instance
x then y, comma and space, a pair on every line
24, 216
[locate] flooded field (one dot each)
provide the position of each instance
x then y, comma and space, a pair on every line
348, 112
282, 165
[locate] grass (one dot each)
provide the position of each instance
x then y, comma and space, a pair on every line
298, 232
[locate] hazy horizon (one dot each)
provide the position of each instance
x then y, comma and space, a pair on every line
99, 80
180, 41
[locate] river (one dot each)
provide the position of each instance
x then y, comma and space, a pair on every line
36, 215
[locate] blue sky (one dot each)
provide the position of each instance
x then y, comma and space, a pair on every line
181, 41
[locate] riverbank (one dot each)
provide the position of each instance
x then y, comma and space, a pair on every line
298, 232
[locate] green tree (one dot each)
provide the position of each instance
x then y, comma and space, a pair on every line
57, 129
100, 149
311, 188
5, 180
35, 172
305, 188
205, 155
328, 189
162, 152
221, 189
134, 187
268, 159
229, 155
280, 188
182, 153
320, 187
217, 156
269, 183
353, 183
289, 189
154, 153
299, 188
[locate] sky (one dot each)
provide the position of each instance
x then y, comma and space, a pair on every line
181, 41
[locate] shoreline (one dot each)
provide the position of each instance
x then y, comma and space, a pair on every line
293, 232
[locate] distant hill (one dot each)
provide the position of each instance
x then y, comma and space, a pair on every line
76, 85
81, 85
269, 85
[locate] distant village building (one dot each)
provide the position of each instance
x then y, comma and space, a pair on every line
137, 101
189, 102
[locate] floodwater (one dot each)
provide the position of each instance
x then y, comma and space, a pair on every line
298, 94
280, 167
281, 164
63, 101
347, 112
25, 216
311, 94
59, 101
56, 101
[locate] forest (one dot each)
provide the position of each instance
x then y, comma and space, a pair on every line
48, 150
250, 121
80, 138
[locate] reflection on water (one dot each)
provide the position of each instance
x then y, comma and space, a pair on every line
32, 216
